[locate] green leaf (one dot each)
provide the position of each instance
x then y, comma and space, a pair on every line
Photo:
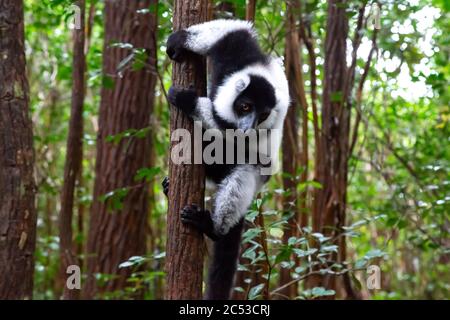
258, 203
276, 232
251, 216
319, 236
121, 45
250, 234
330, 248
114, 199
376, 253
255, 291
125, 61
160, 255
304, 253
360, 263
336, 96
126, 264
250, 253
322, 292
147, 173
284, 254
107, 82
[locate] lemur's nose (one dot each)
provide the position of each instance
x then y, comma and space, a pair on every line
263, 117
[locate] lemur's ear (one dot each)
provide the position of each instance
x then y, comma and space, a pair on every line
241, 84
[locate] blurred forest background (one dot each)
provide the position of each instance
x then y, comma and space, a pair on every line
365, 156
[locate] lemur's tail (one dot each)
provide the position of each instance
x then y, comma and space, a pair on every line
224, 264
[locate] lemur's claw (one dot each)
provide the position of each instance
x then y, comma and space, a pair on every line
172, 94
175, 45
199, 219
165, 185
184, 99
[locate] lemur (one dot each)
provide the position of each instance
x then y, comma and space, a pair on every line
247, 90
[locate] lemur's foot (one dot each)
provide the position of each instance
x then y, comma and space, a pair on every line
176, 45
165, 185
200, 219
184, 99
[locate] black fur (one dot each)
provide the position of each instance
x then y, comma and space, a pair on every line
165, 185
232, 53
200, 219
184, 99
175, 45
223, 265
260, 95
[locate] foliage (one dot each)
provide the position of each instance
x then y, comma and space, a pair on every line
399, 185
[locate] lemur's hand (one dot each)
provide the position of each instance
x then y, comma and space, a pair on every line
199, 219
165, 185
183, 99
176, 45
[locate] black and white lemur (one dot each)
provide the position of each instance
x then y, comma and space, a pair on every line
247, 90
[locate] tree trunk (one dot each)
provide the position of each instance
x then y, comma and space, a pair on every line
250, 10
293, 157
184, 248
17, 186
73, 157
117, 231
330, 201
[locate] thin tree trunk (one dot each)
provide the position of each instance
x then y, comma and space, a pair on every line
306, 36
293, 157
184, 248
73, 157
118, 232
250, 10
89, 26
17, 185
329, 209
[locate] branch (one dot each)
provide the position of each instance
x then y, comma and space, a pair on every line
359, 92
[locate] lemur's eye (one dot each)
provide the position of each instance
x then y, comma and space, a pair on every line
245, 107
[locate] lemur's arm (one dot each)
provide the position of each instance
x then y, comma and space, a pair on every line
197, 108
201, 38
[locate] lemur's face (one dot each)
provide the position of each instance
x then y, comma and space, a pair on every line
254, 104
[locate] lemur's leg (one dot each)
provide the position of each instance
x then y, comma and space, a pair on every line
234, 196
222, 267
202, 37
198, 108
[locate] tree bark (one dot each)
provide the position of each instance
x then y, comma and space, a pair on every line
293, 157
250, 10
74, 155
116, 234
184, 248
17, 185
330, 200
